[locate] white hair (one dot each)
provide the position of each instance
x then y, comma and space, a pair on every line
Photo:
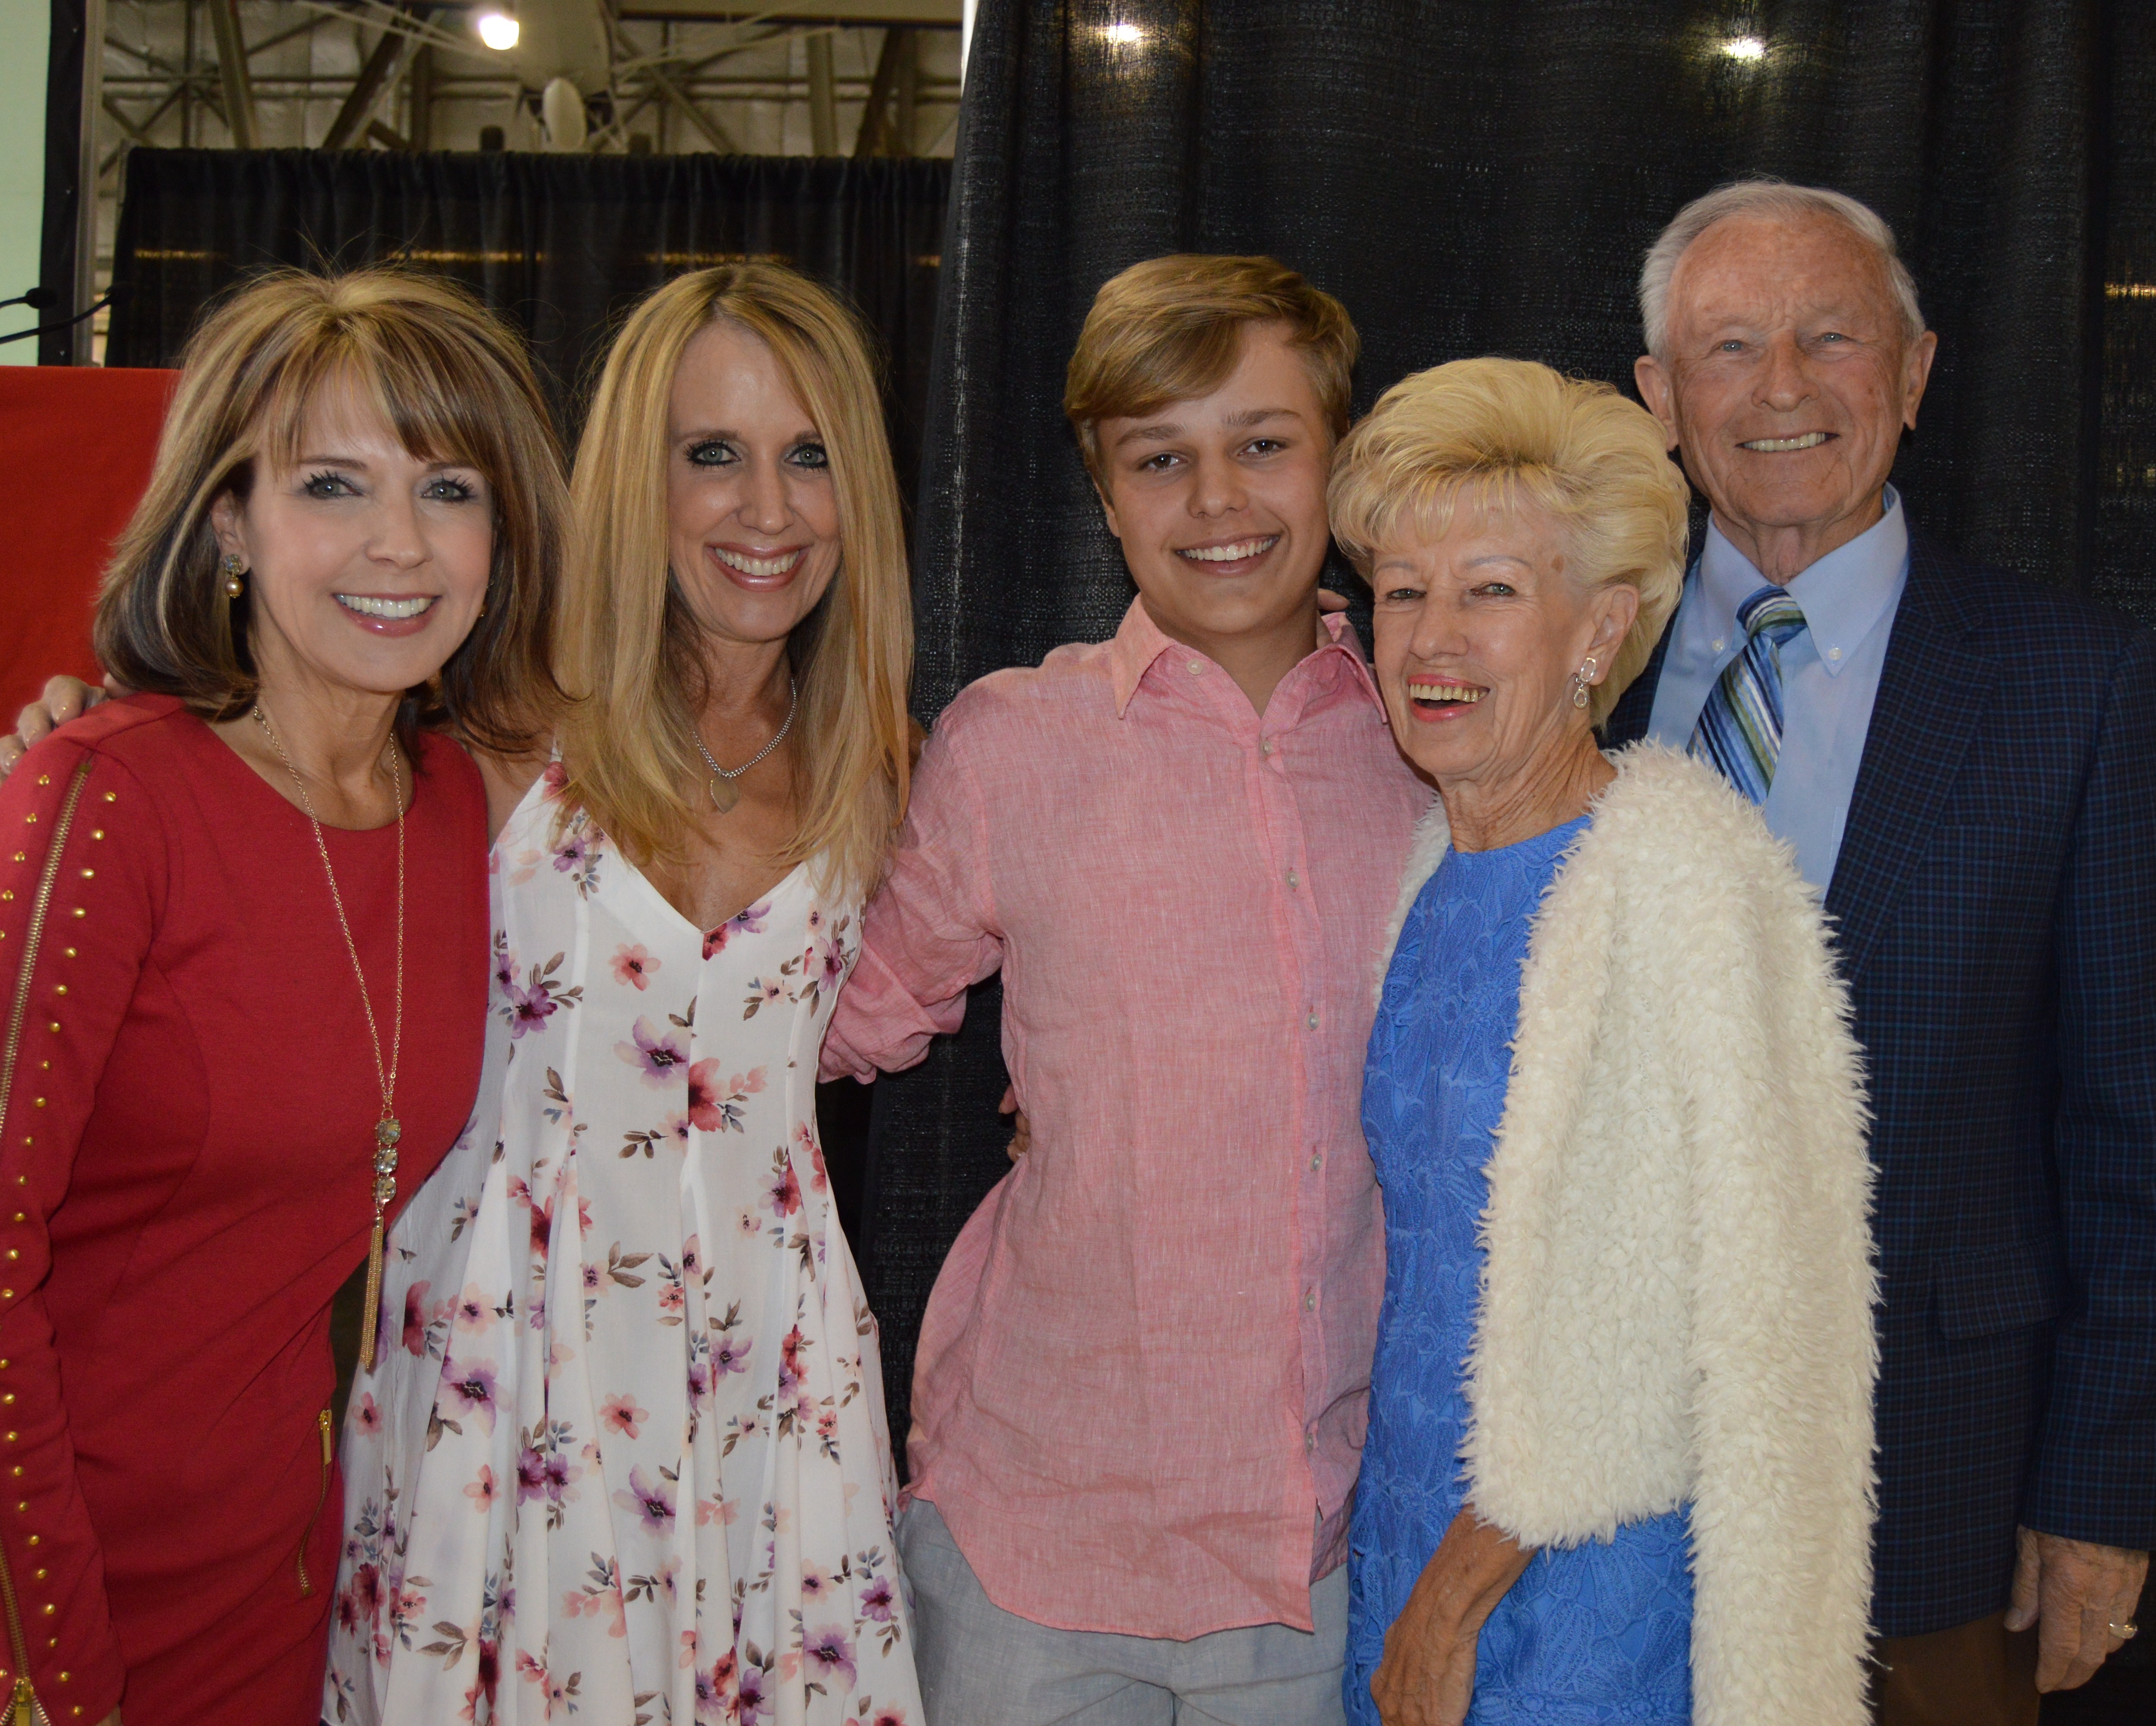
1774, 199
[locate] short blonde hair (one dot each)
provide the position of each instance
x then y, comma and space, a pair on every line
1512, 430
628, 654
1170, 328
452, 382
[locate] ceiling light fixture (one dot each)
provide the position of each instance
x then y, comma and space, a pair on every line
1123, 35
1745, 48
498, 30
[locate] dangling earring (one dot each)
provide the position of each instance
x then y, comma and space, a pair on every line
1582, 681
233, 570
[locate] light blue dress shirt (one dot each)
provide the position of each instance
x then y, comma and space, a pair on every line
1830, 673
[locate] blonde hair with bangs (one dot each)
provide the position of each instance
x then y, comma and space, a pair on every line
1171, 329
1508, 432
450, 381
630, 653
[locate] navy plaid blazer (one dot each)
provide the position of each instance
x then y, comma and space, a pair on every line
1994, 912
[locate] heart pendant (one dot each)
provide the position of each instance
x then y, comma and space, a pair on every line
724, 796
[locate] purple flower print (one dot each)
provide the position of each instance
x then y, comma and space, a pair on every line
877, 1600
560, 1472
530, 1475
470, 1391
755, 1703
660, 1055
828, 1653
730, 1354
652, 1500
573, 853
747, 923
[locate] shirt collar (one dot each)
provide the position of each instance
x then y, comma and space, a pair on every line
1843, 595
1139, 641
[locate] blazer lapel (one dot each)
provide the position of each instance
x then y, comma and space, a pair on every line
1923, 721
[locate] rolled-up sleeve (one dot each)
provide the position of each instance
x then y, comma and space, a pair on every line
932, 932
77, 911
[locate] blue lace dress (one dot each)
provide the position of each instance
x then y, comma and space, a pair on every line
1594, 1633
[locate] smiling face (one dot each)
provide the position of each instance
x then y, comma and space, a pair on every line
1788, 377
753, 516
1479, 633
1219, 501
367, 564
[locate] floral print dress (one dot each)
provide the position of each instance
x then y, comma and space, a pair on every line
622, 1456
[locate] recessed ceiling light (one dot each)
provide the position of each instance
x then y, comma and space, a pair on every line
1745, 48
498, 30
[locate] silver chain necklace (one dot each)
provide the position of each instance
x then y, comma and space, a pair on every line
726, 776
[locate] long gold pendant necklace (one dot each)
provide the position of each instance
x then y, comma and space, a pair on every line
386, 1130
724, 795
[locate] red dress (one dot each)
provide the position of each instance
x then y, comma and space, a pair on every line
187, 1101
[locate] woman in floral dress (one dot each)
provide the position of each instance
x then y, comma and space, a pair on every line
623, 1455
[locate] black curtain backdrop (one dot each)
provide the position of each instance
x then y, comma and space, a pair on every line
561, 245
1483, 177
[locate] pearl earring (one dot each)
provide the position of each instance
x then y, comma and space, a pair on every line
233, 570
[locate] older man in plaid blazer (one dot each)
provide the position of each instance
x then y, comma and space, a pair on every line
1966, 765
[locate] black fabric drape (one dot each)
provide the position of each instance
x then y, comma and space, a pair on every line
563, 245
1484, 178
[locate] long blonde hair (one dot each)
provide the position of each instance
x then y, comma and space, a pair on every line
628, 653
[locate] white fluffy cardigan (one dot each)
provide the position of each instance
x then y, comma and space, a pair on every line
1677, 1303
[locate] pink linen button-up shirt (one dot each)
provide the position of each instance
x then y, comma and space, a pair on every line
1143, 1374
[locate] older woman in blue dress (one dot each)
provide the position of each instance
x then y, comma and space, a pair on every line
1619, 1463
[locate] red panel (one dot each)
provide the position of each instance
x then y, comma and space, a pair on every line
76, 443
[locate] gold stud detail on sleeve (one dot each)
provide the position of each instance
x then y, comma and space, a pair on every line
87, 873
22, 856
97, 833
112, 797
41, 1575
78, 911
45, 778
53, 1027
31, 818
7, 892
50, 1609
70, 952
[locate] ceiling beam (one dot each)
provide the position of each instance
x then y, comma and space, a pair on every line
714, 134
373, 79
232, 73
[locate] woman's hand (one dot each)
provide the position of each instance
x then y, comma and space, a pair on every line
1021, 1128
1427, 1678
64, 698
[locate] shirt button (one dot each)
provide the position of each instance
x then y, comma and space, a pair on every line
1293, 879
1195, 668
1266, 747
1309, 1442
1719, 645
1310, 1300
1318, 1162
1834, 653
1312, 1020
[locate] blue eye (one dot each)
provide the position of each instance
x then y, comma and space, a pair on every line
328, 484
448, 490
711, 453
809, 456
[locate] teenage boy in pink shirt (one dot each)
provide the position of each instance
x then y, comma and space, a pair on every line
1139, 1396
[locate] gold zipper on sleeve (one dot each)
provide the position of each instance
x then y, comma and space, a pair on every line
23, 1707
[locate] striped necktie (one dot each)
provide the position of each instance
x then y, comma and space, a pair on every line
1740, 728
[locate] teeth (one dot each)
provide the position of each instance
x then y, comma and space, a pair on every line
1810, 440
767, 567
1229, 554
1438, 693
368, 606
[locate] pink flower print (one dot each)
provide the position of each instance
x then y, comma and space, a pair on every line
877, 1600
671, 1298
622, 1414
554, 778
417, 1319
828, 1653
746, 923
783, 1195
658, 1055
724, 1512
483, 1491
652, 1500
470, 1391
730, 1354
530, 1475
367, 1415
706, 1111
748, 1224
561, 1474
816, 1583
634, 967
889, 1715
472, 1312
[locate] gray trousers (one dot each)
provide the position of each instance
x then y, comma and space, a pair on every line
981, 1665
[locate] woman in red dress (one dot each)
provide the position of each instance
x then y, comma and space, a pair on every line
243, 978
